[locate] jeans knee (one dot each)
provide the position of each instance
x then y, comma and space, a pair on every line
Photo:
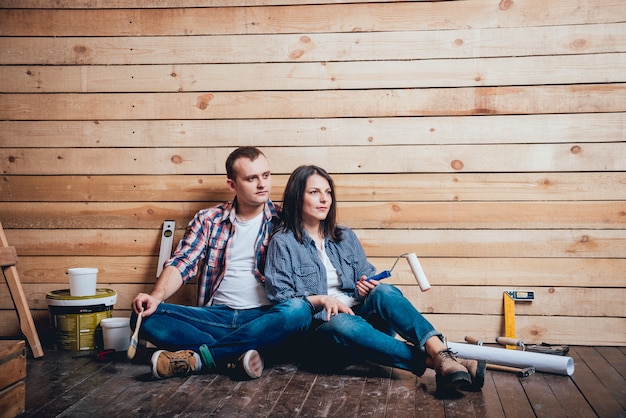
384, 290
346, 327
296, 313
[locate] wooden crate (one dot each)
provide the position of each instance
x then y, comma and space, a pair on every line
12, 371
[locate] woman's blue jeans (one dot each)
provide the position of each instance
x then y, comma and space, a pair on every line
369, 335
226, 332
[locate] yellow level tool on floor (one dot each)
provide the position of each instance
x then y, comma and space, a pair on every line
510, 296
509, 319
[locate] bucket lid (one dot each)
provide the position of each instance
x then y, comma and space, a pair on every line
64, 298
82, 270
115, 322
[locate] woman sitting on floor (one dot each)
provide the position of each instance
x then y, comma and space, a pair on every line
313, 258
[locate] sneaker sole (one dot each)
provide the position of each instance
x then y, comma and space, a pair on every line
253, 364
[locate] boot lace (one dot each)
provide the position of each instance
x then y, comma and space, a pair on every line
447, 354
179, 366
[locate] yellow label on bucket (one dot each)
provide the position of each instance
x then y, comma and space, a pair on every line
76, 320
78, 331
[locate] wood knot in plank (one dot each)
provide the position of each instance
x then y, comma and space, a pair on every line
80, 49
546, 182
204, 100
457, 165
81, 52
296, 53
505, 4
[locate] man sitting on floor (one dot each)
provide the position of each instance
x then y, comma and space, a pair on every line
233, 318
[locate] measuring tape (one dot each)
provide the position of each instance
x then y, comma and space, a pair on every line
509, 318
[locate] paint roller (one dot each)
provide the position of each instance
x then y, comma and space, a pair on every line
416, 268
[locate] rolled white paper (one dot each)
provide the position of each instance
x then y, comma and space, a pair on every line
418, 272
513, 358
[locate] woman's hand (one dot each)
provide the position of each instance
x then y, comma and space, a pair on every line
364, 287
332, 305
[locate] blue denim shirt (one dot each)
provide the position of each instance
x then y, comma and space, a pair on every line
295, 270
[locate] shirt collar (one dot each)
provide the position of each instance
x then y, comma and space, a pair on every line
269, 211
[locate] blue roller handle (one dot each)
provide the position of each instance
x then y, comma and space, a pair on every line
382, 275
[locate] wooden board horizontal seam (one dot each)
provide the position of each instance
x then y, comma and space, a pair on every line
440, 299
408, 187
323, 132
295, 16
378, 215
603, 68
441, 270
510, 158
513, 44
377, 243
460, 101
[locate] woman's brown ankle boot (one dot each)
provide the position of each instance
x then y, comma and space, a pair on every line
450, 374
476, 369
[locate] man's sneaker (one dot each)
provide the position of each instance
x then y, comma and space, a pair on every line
180, 363
476, 369
248, 364
450, 374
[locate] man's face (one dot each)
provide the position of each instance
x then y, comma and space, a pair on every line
253, 182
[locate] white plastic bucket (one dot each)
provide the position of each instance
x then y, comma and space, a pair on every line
83, 281
116, 333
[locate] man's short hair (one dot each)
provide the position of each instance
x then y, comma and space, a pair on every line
251, 153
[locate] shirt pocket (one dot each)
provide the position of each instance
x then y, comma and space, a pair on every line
307, 279
218, 242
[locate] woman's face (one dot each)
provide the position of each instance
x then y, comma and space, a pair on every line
317, 200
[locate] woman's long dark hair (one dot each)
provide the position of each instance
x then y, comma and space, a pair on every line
293, 199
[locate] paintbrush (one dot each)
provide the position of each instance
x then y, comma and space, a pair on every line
132, 348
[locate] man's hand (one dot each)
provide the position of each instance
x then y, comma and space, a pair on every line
145, 302
167, 284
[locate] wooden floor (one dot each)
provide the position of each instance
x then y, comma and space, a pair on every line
59, 385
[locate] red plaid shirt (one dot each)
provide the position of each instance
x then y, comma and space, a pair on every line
206, 244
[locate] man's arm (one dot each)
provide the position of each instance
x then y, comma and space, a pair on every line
167, 284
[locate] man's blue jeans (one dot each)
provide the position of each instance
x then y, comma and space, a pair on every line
226, 332
369, 335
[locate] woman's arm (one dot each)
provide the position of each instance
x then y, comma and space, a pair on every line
279, 283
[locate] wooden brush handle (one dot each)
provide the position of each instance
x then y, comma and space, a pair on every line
137, 325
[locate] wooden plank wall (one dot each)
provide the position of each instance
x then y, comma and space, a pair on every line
486, 136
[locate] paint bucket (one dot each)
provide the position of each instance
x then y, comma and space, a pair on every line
83, 281
116, 333
76, 320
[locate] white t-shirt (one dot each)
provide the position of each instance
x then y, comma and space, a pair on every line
333, 281
239, 289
